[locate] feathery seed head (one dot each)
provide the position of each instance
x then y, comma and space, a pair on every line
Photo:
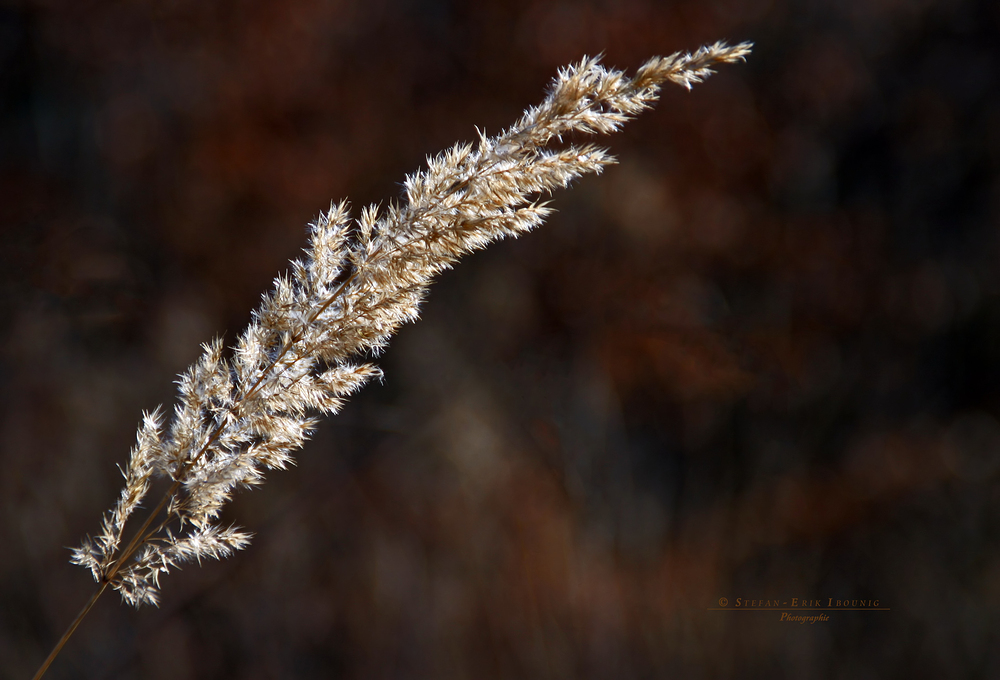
357, 282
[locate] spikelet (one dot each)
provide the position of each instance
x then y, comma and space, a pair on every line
357, 283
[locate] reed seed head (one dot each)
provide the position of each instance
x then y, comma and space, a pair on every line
359, 280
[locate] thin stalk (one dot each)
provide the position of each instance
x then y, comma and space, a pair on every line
69, 631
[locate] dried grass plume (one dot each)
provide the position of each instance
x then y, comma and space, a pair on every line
360, 279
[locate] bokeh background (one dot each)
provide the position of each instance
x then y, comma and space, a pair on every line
760, 358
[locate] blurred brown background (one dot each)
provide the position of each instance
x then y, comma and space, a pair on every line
759, 358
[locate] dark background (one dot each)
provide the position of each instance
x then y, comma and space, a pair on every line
759, 358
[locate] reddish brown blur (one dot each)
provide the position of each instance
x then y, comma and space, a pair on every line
760, 358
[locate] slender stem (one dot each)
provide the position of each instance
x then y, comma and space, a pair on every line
133, 545
69, 631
